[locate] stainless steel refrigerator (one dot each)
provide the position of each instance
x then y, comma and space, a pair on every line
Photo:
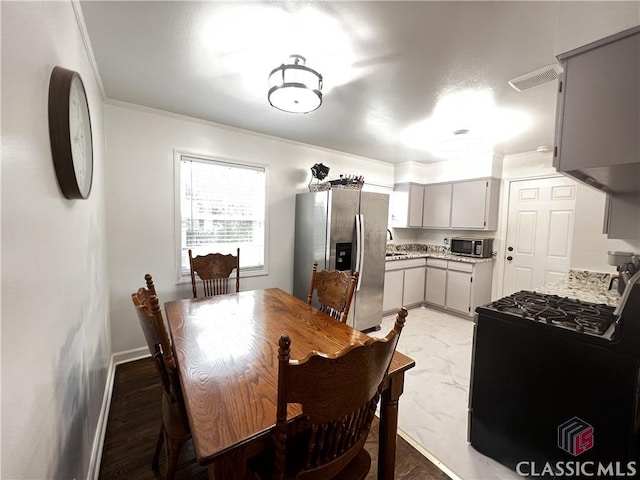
344, 230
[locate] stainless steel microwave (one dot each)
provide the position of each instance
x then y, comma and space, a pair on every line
472, 246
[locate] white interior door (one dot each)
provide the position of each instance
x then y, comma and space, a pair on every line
539, 232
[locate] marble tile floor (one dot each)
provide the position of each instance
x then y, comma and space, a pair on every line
433, 407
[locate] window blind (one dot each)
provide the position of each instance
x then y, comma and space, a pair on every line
222, 208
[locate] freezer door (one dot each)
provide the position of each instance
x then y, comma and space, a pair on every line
367, 303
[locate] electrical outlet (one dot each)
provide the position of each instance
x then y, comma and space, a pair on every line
446, 240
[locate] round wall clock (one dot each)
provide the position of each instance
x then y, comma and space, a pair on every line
70, 133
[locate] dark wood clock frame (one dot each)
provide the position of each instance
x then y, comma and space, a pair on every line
60, 135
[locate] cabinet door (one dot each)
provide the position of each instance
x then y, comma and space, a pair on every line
458, 291
436, 285
599, 105
413, 286
416, 200
436, 211
621, 213
405, 205
392, 298
468, 204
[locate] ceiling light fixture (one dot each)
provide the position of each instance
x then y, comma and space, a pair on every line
294, 87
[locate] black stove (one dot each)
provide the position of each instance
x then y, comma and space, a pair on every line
592, 318
541, 362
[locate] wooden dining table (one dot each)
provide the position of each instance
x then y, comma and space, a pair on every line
226, 349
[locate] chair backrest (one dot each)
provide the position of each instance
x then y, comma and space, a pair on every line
338, 394
152, 323
335, 291
214, 271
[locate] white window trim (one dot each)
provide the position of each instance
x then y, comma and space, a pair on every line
177, 157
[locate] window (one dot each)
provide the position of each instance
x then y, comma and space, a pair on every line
222, 207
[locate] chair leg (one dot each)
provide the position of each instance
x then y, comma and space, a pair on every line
155, 462
173, 454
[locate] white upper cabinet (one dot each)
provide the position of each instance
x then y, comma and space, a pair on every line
466, 205
436, 211
597, 139
406, 204
474, 205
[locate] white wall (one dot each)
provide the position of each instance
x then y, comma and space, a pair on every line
140, 200
447, 171
55, 335
590, 245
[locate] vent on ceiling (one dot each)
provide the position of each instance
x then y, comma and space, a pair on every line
535, 78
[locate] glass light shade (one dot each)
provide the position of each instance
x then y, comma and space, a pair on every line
295, 87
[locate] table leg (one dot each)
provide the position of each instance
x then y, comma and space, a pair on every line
389, 427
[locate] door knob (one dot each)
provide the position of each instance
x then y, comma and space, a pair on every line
510, 249
509, 258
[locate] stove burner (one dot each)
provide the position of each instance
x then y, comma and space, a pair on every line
565, 312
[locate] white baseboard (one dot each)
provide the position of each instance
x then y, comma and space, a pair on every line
130, 355
101, 428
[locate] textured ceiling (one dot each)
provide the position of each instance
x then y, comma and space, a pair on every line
385, 64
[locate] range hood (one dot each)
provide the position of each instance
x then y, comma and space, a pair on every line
613, 179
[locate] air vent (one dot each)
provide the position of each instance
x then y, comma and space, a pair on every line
536, 78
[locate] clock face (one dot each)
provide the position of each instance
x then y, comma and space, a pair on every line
70, 133
80, 136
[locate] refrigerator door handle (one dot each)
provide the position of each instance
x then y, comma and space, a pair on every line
358, 241
361, 251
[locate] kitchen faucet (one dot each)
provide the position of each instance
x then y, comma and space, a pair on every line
390, 236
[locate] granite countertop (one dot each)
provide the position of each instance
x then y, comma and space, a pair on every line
410, 251
584, 285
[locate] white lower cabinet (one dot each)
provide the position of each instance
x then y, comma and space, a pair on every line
458, 286
436, 285
449, 284
413, 286
458, 296
403, 284
393, 285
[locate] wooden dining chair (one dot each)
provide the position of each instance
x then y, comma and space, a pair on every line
334, 290
213, 271
174, 428
339, 394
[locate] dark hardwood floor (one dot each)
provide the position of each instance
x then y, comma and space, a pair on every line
134, 421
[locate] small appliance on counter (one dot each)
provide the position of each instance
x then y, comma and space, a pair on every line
555, 380
481, 247
627, 265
